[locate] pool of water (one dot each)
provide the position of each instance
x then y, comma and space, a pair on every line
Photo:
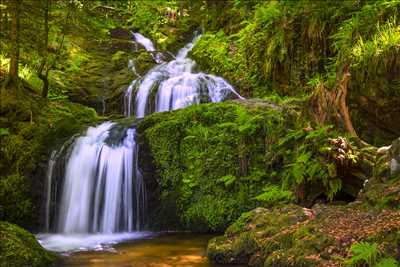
148, 250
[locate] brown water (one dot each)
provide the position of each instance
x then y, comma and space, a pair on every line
160, 251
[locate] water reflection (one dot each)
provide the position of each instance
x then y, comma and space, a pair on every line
162, 251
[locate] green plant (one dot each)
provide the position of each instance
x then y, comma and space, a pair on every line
367, 254
363, 253
273, 195
387, 262
307, 161
4, 131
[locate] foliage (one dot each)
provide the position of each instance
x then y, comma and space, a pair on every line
289, 47
363, 252
304, 161
273, 195
387, 262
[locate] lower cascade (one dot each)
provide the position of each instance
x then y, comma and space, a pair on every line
97, 187
103, 190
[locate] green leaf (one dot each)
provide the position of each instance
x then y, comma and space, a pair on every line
4, 131
387, 262
227, 180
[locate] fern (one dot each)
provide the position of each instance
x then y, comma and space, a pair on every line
273, 195
387, 262
363, 253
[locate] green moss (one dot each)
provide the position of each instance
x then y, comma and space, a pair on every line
382, 195
290, 235
16, 204
216, 161
196, 149
20, 248
263, 236
37, 128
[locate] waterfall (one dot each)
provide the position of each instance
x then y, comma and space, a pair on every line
97, 188
101, 180
176, 85
148, 45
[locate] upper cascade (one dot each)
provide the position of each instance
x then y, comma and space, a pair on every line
174, 85
148, 45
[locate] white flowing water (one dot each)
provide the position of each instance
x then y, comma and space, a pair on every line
148, 45
175, 85
50, 170
103, 198
98, 186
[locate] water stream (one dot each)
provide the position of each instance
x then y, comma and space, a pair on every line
97, 198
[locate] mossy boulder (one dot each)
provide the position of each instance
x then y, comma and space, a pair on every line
208, 163
209, 160
382, 195
20, 248
291, 235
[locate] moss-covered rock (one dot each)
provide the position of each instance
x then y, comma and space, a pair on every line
215, 161
20, 248
294, 236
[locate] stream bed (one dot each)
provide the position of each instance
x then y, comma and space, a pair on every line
147, 250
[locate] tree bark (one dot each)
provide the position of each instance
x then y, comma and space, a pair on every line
44, 77
331, 106
340, 101
14, 39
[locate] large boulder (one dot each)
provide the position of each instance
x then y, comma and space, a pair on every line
291, 235
20, 248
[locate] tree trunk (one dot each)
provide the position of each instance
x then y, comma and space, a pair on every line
45, 77
340, 101
331, 106
45, 88
13, 71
